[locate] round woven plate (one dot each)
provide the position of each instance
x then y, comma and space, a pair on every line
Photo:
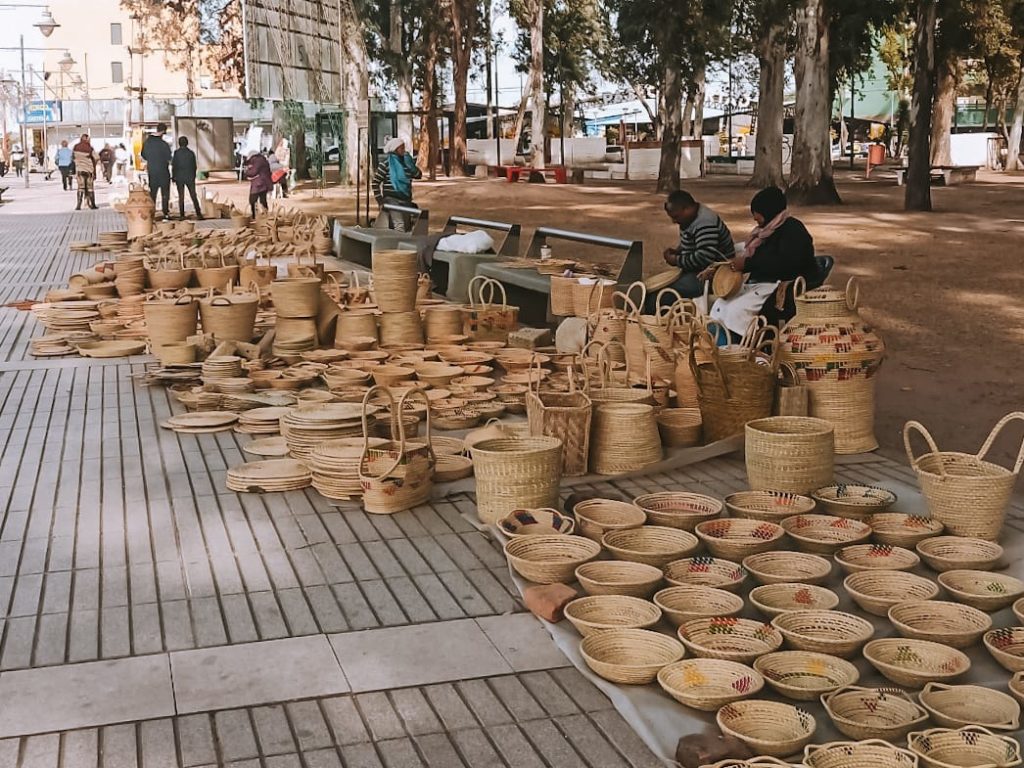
662, 279
271, 447
103, 349
202, 420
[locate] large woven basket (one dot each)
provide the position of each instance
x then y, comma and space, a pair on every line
680, 427
872, 753
513, 473
296, 296
624, 438
968, 746
707, 684
395, 280
229, 318
567, 416
484, 319
966, 493
629, 656
789, 453
170, 320
732, 393
873, 713
767, 727
400, 328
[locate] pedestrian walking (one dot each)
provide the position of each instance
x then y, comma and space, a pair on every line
86, 163
257, 170
120, 161
280, 175
107, 160
66, 165
18, 159
183, 173
157, 155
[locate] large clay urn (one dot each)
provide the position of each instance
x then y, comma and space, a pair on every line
139, 210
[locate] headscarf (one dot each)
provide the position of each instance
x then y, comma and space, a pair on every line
770, 202
393, 144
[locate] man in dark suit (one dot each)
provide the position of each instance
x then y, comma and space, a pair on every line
183, 172
157, 155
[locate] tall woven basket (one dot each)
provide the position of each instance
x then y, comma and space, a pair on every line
965, 492
395, 280
565, 415
514, 473
625, 438
731, 393
793, 454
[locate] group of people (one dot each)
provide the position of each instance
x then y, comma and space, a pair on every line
164, 167
111, 161
778, 250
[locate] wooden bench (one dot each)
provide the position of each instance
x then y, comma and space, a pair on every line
452, 271
946, 175
531, 291
517, 172
357, 244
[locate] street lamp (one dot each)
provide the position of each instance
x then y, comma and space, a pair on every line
66, 62
46, 24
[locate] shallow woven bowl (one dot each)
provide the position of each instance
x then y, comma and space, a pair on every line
629, 656
775, 599
951, 553
767, 727
595, 517
902, 530
824, 534
952, 624
872, 753
682, 604
875, 557
772, 506
1016, 686
736, 538
833, 632
878, 591
852, 500
755, 762
970, 746
678, 509
873, 713
599, 612
804, 676
707, 684
981, 589
549, 559
729, 638
618, 577
913, 663
651, 544
954, 706
1007, 647
705, 571
1018, 610
536, 522
787, 567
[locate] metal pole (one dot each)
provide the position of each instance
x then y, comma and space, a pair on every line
46, 142
561, 108
487, 57
88, 104
497, 110
853, 96
24, 116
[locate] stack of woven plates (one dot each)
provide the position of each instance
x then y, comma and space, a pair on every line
261, 421
67, 316
231, 384
51, 345
201, 422
306, 426
244, 401
271, 475
114, 241
268, 447
222, 367
130, 308
335, 466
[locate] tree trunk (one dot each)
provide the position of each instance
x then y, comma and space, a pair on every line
402, 68
568, 106
918, 195
989, 76
428, 139
537, 121
517, 127
698, 90
810, 180
464, 18
354, 76
651, 114
770, 107
672, 129
1013, 162
942, 110
688, 107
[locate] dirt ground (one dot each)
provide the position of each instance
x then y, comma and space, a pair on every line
943, 288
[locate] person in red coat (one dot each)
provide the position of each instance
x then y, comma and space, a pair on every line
257, 170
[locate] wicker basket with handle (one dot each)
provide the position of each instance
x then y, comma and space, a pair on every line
484, 319
565, 415
731, 392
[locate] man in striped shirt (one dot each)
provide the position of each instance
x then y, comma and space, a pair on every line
703, 240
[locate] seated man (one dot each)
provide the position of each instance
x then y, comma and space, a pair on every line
703, 240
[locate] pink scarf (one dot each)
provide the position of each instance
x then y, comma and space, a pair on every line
759, 234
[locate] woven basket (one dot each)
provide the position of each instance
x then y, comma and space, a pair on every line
775, 599
952, 624
949, 553
878, 591
787, 567
872, 753
563, 301
395, 280
789, 453
767, 727
680, 427
229, 318
595, 517
169, 321
966, 493
296, 296
804, 676
707, 684
549, 559
902, 530
591, 295
485, 320
833, 632
678, 509
650, 544
400, 328
705, 571
599, 612
982, 590
852, 500
1007, 647
682, 604
513, 473
624, 438
875, 557
968, 746
566, 416
169, 274
773, 506
735, 538
536, 522
612, 577
356, 324
629, 656
954, 706
442, 321
825, 534
730, 638
732, 393
606, 387
1016, 686
450, 468
216, 276
754, 762
873, 713
399, 474
912, 663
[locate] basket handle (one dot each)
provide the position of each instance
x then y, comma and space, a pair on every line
788, 375
994, 435
799, 286
497, 284
188, 299
852, 293
637, 305
662, 310
417, 392
603, 354
534, 363
397, 427
334, 291
916, 426
704, 339
753, 329
475, 290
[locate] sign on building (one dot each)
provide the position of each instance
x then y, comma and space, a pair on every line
292, 50
40, 112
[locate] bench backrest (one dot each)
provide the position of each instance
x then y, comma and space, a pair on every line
420, 218
632, 251
509, 245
